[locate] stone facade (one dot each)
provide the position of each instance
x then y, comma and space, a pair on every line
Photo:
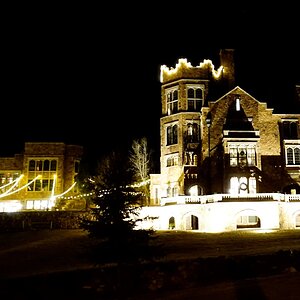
223, 153
207, 164
55, 164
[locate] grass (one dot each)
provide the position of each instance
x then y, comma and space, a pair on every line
193, 244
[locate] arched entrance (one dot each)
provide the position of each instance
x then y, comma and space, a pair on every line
194, 222
172, 223
297, 220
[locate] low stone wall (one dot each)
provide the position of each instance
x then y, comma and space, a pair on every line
17, 221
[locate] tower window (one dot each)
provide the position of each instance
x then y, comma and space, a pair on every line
172, 101
172, 134
194, 98
192, 133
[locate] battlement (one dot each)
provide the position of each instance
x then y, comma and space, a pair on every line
184, 69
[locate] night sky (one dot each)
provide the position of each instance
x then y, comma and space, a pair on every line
90, 75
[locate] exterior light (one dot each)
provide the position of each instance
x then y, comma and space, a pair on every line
208, 119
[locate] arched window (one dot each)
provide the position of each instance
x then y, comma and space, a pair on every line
172, 132
172, 101
242, 185
172, 223
195, 98
192, 133
293, 156
297, 156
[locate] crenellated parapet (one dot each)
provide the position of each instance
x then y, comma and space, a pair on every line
184, 69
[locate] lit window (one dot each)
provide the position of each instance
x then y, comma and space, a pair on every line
242, 155
242, 185
172, 161
193, 190
192, 133
237, 104
46, 169
172, 101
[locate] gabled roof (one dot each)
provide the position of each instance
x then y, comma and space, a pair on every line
237, 124
239, 90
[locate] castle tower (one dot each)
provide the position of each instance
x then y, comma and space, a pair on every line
184, 92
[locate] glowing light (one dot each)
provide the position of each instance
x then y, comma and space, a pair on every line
15, 182
10, 206
237, 104
5, 185
53, 187
21, 188
65, 191
139, 184
258, 230
183, 63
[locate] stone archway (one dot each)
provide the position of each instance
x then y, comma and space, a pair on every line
297, 220
171, 223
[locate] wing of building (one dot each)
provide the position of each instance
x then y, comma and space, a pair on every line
221, 145
41, 178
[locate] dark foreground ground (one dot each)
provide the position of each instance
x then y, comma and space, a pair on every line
49, 264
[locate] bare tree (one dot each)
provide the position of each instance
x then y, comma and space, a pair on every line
139, 159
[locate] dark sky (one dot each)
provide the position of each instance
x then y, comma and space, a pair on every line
89, 75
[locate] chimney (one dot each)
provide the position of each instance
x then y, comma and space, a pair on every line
227, 61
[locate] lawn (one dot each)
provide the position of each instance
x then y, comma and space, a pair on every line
193, 244
56, 261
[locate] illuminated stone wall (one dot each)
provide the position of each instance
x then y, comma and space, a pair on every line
213, 169
222, 216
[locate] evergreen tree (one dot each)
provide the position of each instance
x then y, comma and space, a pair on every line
115, 213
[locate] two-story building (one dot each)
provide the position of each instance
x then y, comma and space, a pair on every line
41, 178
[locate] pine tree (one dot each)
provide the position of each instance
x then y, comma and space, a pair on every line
115, 213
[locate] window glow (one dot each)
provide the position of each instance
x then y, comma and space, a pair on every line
237, 104
194, 190
10, 206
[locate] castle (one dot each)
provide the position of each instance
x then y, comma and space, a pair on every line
227, 160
